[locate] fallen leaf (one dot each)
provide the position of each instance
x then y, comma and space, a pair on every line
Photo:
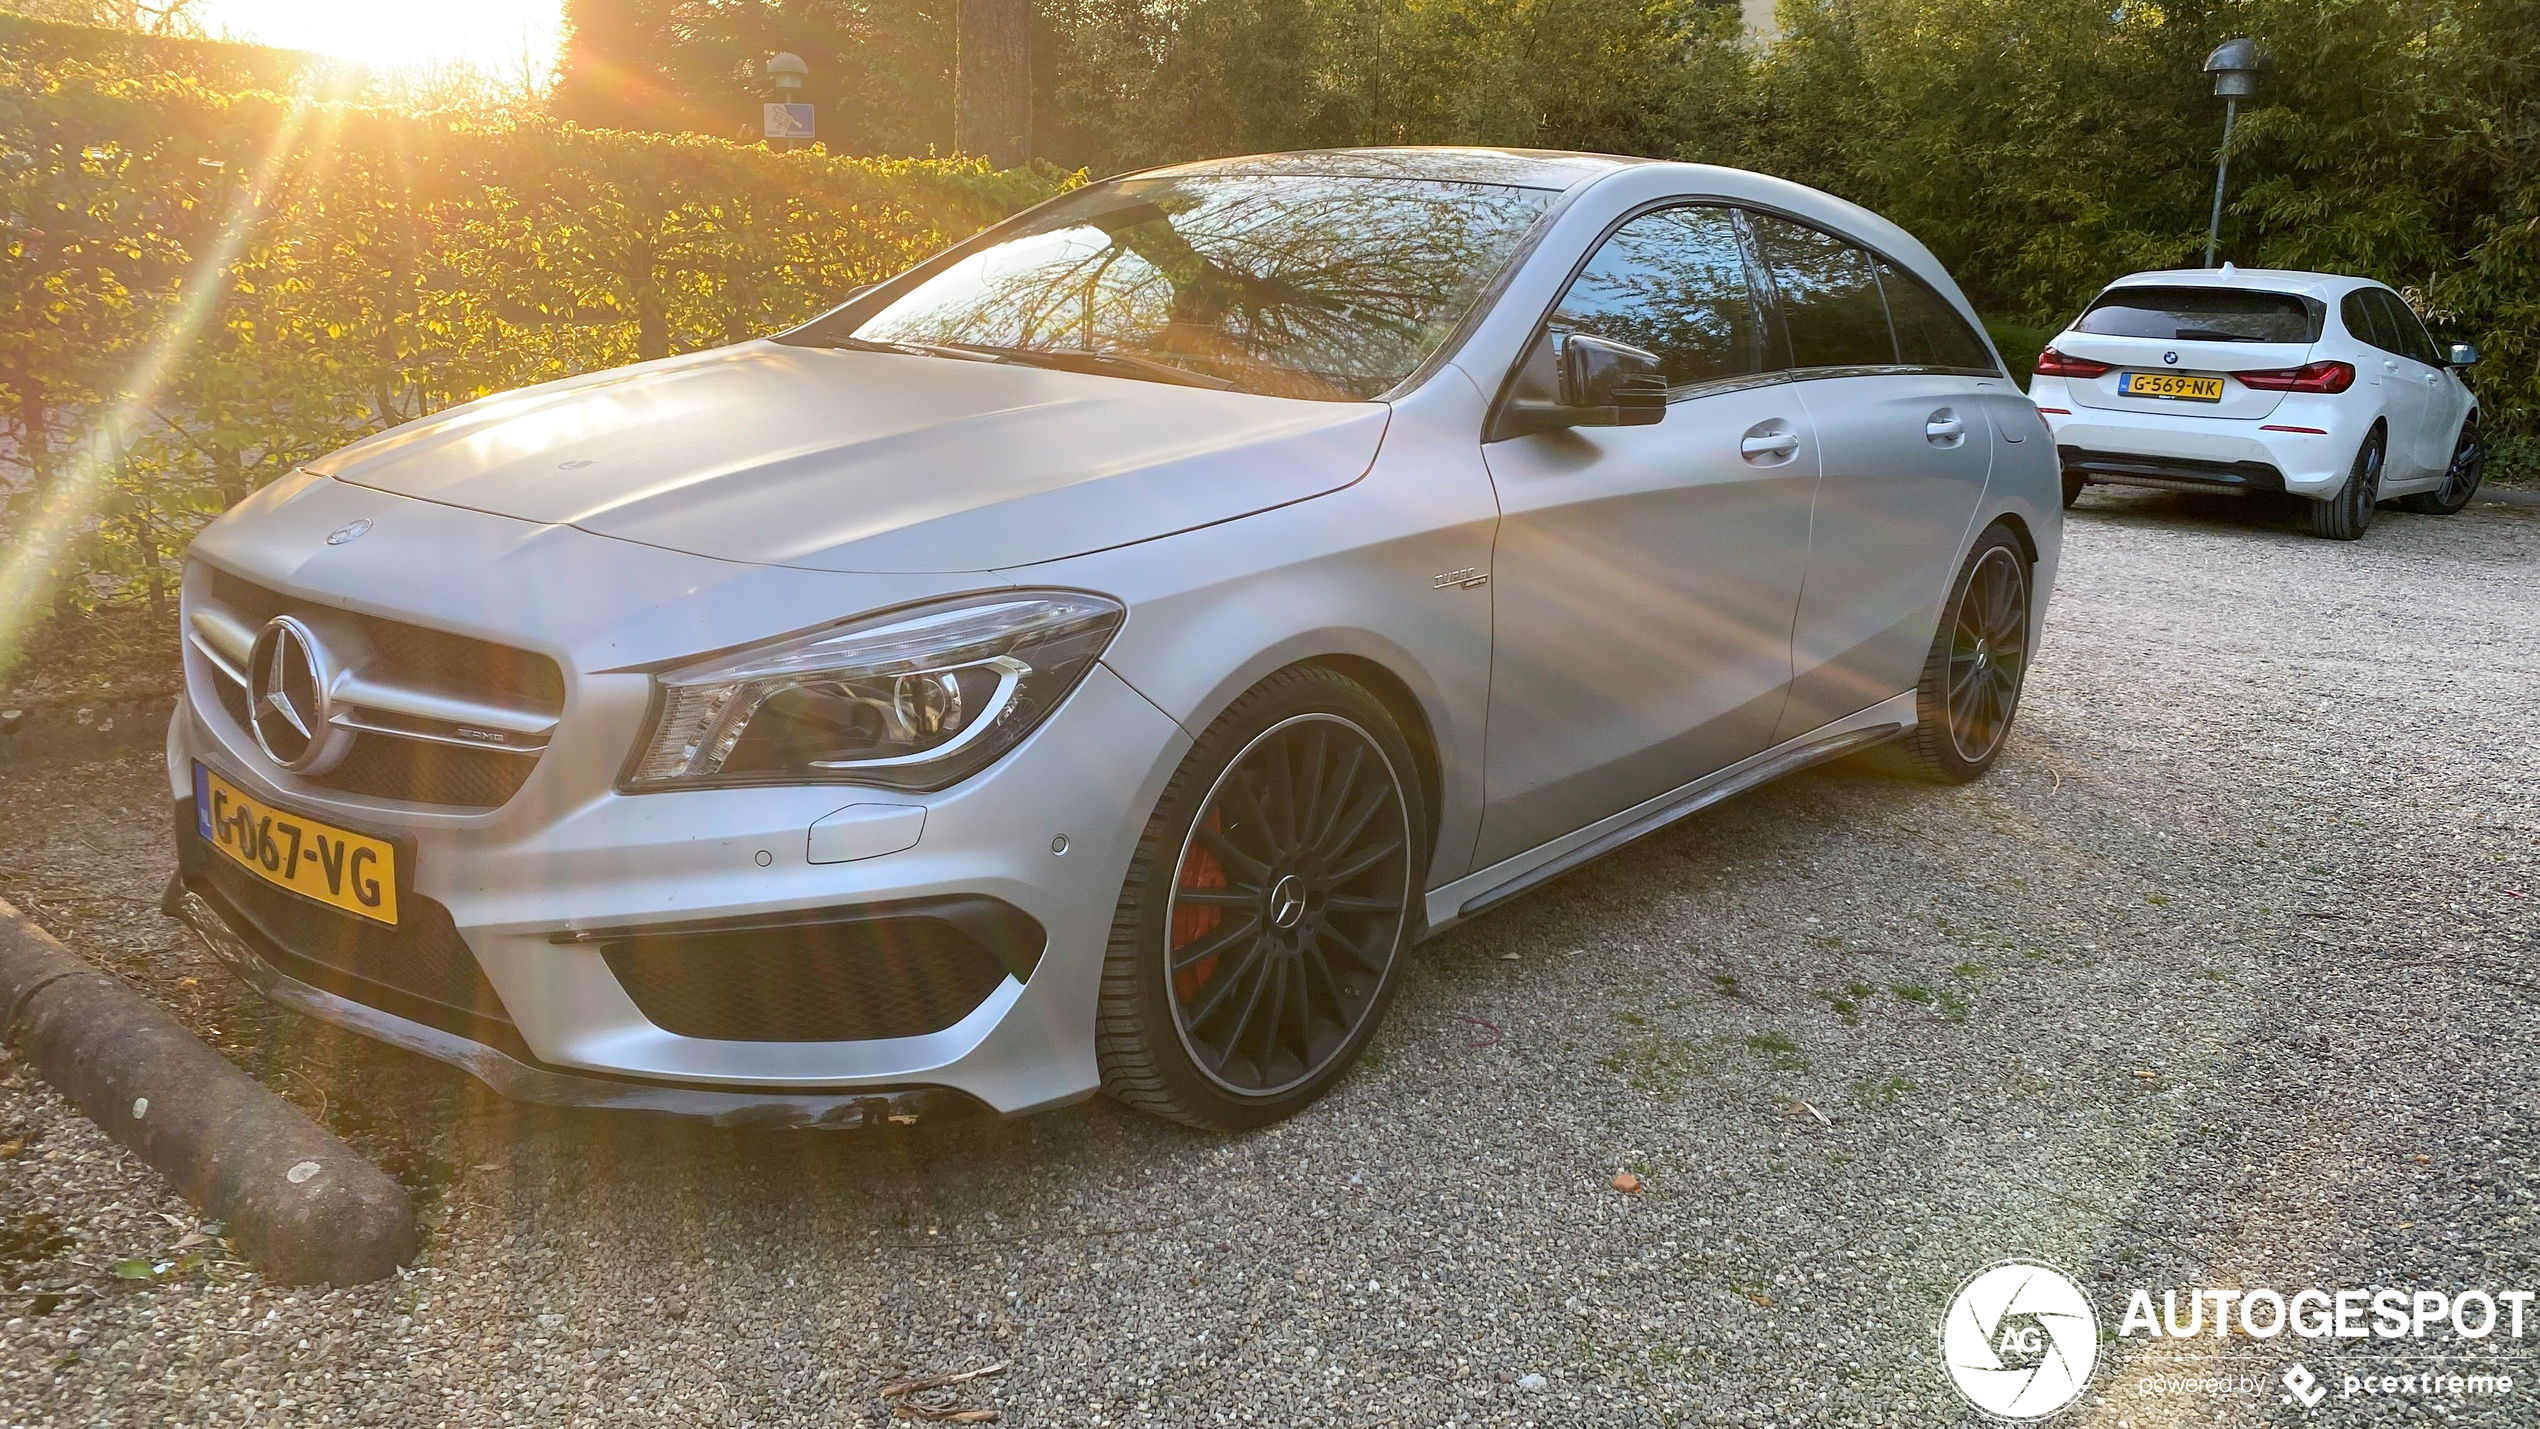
133, 1268
1627, 1183
10, 1149
2147, 1074
2422, 1159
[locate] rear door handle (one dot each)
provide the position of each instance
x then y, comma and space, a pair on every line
1944, 427
1772, 444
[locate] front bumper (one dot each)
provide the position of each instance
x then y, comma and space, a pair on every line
546, 897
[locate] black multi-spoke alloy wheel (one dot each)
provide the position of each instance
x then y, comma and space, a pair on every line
1260, 927
2344, 517
2460, 479
1970, 687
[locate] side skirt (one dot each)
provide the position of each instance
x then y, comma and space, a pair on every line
1509, 877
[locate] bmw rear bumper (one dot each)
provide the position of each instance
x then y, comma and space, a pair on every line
2304, 447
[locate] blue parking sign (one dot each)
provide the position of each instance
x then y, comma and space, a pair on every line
788, 121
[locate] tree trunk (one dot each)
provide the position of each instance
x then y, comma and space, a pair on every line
992, 81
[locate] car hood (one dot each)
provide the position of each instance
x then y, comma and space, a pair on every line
873, 462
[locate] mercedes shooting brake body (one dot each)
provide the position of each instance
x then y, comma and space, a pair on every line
1088, 660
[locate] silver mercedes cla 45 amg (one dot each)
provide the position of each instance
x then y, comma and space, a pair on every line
1089, 660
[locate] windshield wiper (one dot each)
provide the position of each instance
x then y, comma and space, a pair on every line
1109, 364
905, 349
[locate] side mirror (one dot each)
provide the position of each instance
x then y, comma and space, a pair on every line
2463, 354
1603, 384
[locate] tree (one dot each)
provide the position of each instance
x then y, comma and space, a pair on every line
992, 85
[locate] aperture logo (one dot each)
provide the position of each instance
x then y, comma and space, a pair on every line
2020, 1340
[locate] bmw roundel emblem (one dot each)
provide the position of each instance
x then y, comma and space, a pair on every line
354, 530
2170, 357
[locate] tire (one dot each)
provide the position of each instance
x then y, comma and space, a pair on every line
1251, 960
1978, 665
2344, 516
2460, 479
2073, 488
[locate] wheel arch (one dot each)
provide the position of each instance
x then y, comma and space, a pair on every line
1408, 716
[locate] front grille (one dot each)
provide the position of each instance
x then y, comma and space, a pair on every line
885, 971
388, 768
420, 970
441, 719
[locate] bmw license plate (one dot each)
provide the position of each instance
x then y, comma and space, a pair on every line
336, 867
2174, 386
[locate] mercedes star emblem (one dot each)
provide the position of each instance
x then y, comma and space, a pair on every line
291, 711
349, 531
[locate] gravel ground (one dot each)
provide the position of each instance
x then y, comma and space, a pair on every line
2221, 978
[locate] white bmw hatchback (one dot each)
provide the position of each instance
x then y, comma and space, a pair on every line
2263, 380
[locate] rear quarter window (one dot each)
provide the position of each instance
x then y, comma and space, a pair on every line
2202, 315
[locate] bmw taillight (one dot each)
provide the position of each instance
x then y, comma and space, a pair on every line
2310, 377
2051, 363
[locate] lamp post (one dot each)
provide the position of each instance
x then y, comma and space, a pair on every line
2234, 64
788, 120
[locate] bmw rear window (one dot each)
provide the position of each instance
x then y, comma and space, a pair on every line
2203, 315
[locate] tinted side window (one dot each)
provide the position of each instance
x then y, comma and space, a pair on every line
2364, 319
1673, 282
2412, 338
1929, 332
1830, 297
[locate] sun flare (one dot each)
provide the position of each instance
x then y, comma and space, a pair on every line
501, 38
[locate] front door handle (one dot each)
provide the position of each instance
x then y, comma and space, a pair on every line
1944, 428
1757, 445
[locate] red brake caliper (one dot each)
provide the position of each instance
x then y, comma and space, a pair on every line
1194, 921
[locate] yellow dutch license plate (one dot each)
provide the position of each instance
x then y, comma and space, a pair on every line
2176, 386
336, 867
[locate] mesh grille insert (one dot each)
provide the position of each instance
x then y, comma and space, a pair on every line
871, 973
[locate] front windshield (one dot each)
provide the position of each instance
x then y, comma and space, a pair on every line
1295, 285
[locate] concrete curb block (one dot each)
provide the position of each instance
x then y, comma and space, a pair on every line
302, 1205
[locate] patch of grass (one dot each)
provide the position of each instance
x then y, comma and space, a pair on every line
1726, 983
2158, 900
1844, 1007
1655, 1064
1971, 970
1911, 991
1783, 1051
1953, 1006
1878, 1092
1632, 1019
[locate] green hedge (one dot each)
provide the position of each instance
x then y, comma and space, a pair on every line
199, 290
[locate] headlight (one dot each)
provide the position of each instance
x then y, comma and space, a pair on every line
915, 699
